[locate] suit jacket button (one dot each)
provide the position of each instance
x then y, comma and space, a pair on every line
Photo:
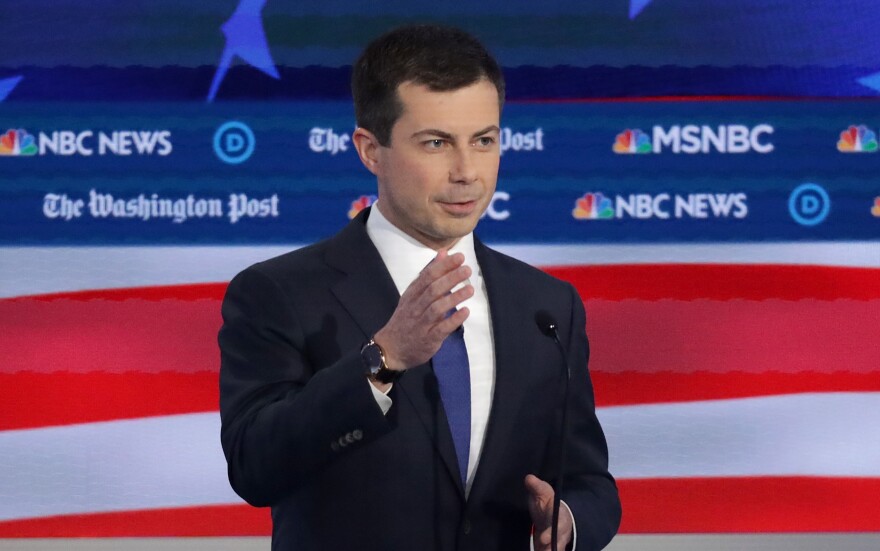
342, 441
466, 527
334, 446
349, 438
358, 434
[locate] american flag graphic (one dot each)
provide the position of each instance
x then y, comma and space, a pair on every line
738, 385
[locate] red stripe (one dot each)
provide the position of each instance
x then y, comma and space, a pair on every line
631, 388
734, 336
200, 291
219, 520
703, 505
72, 361
705, 98
721, 281
108, 335
760, 504
32, 400
180, 336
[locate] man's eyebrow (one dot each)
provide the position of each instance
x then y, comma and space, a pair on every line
448, 136
490, 128
434, 132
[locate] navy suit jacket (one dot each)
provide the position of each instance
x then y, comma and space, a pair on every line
302, 432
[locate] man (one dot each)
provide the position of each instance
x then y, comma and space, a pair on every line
389, 388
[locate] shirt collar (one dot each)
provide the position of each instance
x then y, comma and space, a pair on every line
404, 256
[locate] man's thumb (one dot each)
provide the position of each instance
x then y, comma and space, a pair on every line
538, 488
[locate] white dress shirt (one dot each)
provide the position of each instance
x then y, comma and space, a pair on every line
405, 258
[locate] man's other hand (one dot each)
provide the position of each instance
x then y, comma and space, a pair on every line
541, 510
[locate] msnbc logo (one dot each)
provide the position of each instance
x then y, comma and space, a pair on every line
692, 139
632, 141
857, 139
593, 206
875, 210
360, 204
16, 143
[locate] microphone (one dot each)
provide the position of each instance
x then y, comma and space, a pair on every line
547, 324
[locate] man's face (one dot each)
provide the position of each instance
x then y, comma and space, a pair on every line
439, 173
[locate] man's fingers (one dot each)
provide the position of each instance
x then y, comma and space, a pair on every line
541, 508
450, 324
441, 264
443, 285
540, 504
428, 311
544, 540
440, 308
436, 269
437, 299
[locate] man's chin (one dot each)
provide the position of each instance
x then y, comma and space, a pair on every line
447, 234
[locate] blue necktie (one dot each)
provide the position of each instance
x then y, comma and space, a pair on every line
454, 377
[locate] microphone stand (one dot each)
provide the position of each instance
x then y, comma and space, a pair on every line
548, 326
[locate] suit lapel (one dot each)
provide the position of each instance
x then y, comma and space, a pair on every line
369, 295
367, 292
510, 368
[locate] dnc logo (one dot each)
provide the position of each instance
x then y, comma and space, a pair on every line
809, 204
632, 141
593, 206
17, 143
234, 142
857, 139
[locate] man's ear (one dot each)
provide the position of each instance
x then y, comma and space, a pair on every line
367, 147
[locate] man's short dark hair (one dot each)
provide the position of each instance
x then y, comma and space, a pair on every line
441, 58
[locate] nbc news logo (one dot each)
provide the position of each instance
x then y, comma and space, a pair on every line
18, 143
857, 139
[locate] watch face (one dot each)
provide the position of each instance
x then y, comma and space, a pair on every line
372, 357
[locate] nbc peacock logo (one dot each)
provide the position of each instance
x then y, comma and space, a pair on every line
17, 143
632, 141
593, 206
857, 139
360, 204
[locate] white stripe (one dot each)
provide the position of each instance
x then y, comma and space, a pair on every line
817, 434
171, 461
176, 461
850, 254
39, 270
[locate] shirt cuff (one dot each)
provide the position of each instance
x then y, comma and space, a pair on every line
382, 398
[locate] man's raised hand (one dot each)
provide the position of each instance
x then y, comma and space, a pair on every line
421, 321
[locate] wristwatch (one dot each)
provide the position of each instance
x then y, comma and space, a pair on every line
374, 363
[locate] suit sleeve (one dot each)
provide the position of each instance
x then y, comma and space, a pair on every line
589, 489
283, 419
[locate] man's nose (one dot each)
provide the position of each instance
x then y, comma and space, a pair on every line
463, 169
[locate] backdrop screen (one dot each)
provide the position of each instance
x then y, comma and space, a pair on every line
705, 173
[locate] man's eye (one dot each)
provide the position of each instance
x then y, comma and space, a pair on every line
434, 144
485, 141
